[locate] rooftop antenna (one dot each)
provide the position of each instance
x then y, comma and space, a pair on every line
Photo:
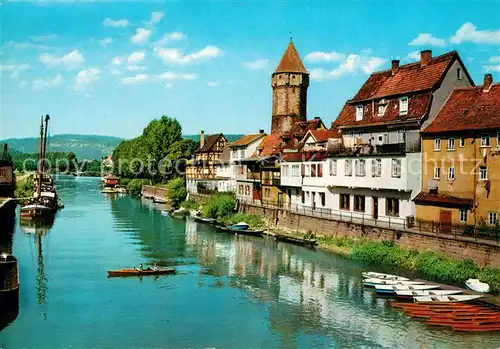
291, 36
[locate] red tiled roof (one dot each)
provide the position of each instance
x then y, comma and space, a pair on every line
418, 107
468, 108
442, 199
291, 62
246, 140
299, 129
305, 156
270, 145
324, 135
210, 141
408, 78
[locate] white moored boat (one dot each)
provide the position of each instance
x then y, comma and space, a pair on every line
445, 299
393, 288
477, 286
373, 281
374, 275
419, 293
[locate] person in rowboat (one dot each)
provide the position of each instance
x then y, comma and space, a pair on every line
141, 267
155, 267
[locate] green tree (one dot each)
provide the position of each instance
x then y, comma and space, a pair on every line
176, 191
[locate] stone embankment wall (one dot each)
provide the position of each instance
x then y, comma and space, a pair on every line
153, 192
483, 252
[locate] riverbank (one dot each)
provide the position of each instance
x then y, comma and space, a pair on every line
385, 253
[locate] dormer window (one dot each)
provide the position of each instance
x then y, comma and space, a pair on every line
359, 112
403, 106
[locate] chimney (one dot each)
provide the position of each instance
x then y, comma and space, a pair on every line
488, 80
261, 132
425, 57
395, 66
202, 138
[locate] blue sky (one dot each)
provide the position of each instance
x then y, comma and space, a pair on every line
111, 67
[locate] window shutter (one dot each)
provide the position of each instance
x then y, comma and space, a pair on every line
303, 170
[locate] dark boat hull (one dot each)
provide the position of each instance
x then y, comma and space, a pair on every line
135, 272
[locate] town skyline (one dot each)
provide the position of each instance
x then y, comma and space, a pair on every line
125, 65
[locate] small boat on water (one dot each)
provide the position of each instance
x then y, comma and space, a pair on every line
391, 289
409, 294
446, 299
240, 226
372, 282
159, 201
477, 286
374, 275
203, 219
164, 213
242, 231
138, 272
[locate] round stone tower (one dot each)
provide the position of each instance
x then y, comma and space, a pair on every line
289, 82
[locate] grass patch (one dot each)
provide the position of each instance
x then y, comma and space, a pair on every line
190, 205
253, 221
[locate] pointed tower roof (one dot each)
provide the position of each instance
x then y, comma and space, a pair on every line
291, 62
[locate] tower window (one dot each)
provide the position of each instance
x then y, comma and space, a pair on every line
359, 112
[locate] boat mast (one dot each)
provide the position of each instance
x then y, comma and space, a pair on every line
40, 160
47, 118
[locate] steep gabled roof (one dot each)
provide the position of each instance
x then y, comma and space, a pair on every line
291, 62
468, 109
418, 108
210, 141
246, 140
270, 145
299, 129
324, 135
407, 78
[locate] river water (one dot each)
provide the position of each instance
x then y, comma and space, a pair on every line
230, 291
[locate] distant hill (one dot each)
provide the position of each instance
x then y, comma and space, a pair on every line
84, 146
87, 147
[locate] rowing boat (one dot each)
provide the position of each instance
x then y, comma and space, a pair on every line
137, 272
374, 275
203, 219
445, 299
391, 289
409, 294
371, 282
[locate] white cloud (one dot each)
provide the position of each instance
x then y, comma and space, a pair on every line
156, 17
494, 59
13, 69
141, 36
136, 57
70, 60
426, 39
40, 84
167, 76
135, 79
412, 56
326, 57
176, 76
27, 46
118, 23
175, 56
353, 64
85, 78
213, 83
491, 68
133, 67
257, 64
468, 33
105, 42
117, 61
42, 38
174, 36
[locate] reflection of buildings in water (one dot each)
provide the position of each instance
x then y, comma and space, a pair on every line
191, 232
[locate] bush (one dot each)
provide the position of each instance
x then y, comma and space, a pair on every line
177, 191
134, 186
492, 277
24, 188
219, 205
189, 205
123, 181
253, 221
